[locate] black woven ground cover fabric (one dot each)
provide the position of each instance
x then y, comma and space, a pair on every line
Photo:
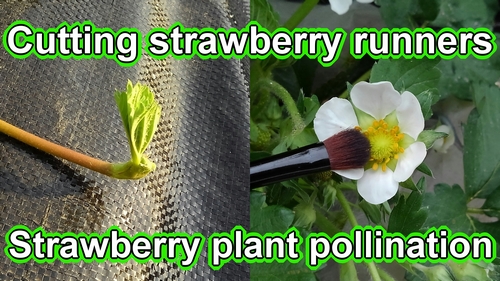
201, 147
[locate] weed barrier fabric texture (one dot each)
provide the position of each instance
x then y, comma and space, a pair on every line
200, 149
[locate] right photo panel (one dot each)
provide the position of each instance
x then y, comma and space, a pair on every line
374, 140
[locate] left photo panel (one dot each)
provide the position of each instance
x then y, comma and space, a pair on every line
120, 158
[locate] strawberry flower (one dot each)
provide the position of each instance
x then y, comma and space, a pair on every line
391, 121
342, 6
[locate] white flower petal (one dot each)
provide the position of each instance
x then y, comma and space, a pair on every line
365, 1
334, 116
377, 99
410, 117
442, 145
409, 160
353, 174
443, 129
340, 6
448, 142
377, 187
438, 145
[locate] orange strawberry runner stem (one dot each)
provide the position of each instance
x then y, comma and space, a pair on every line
86, 161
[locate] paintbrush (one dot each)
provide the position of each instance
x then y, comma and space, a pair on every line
348, 149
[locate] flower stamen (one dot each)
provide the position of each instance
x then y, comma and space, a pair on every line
384, 143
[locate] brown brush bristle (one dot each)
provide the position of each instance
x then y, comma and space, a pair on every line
349, 149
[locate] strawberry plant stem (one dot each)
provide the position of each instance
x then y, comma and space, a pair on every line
91, 163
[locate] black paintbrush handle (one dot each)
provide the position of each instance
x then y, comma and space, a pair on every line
288, 165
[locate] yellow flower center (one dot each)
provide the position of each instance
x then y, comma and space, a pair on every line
385, 143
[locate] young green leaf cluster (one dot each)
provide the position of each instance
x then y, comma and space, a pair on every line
140, 114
